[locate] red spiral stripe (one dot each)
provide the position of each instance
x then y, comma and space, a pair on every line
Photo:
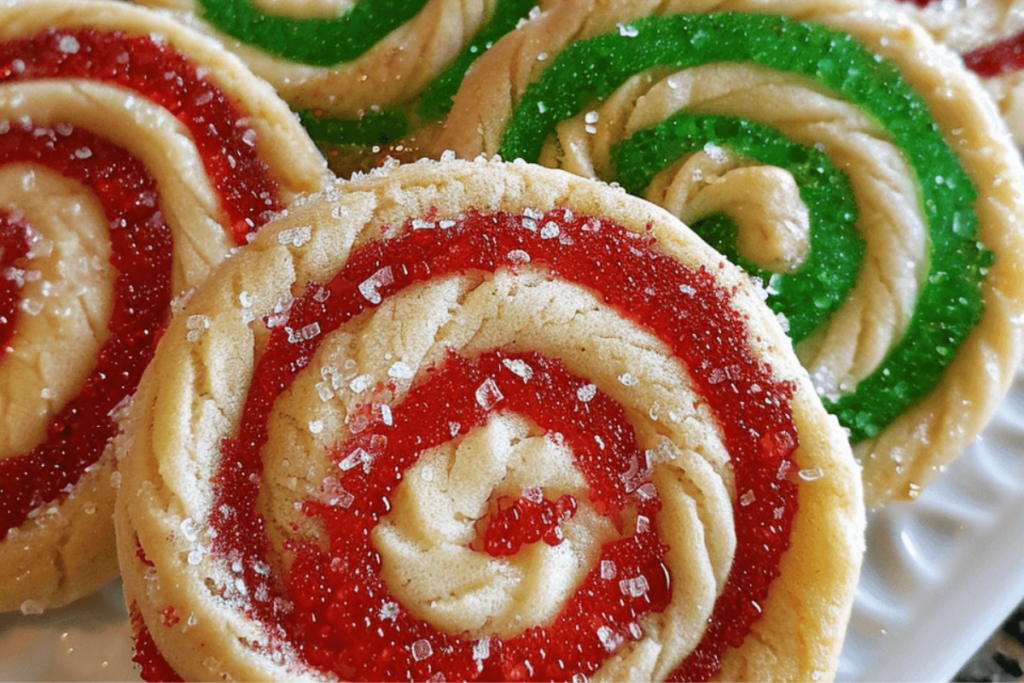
141, 252
162, 75
14, 247
1002, 57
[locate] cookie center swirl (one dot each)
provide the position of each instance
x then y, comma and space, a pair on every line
340, 583
488, 521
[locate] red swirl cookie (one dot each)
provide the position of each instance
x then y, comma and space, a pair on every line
483, 421
989, 35
134, 155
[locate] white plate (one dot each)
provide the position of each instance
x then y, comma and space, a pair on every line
940, 575
943, 572
87, 641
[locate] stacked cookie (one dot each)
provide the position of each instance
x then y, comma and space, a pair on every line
482, 419
843, 159
989, 34
458, 355
136, 155
368, 79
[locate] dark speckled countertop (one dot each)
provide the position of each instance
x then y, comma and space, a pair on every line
1001, 658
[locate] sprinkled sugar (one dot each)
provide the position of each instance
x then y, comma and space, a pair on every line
188, 528
359, 456
401, 370
31, 306
608, 569
635, 587
518, 257
69, 45
609, 638
389, 610
550, 231
368, 287
812, 474
31, 607
519, 368
310, 331
482, 649
295, 237
361, 383
421, 650
196, 325
488, 394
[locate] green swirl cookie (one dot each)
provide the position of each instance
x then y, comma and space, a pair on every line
365, 76
848, 143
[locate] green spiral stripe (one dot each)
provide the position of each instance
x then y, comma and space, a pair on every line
327, 42
317, 41
836, 250
950, 303
376, 128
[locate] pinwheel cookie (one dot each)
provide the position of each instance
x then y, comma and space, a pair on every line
366, 77
489, 421
990, 36
839, 155
134, 155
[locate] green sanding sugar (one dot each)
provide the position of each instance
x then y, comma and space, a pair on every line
836, 249
950, 302
375, 128
319, 41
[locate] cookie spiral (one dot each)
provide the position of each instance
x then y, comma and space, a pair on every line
363, 75
487, 421
128, 171
831, 149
